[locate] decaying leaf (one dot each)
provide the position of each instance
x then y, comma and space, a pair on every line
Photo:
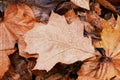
18, 19
58, 42
82, 3
106, 65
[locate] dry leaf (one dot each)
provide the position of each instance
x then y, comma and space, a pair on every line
4, 62
70, 16
110, 37
94, 20
95, 28
22, 46
106, 65
107, 5
95, 7
82, 3
58, 42
18, 19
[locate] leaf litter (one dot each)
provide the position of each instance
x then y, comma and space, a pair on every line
71, 39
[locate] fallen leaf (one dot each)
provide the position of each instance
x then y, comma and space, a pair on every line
107, 5
18, 18
70, 16
110, 37
94, 28
94, 19
4, 62
82, 3
22, 46
95, 7
58, 42
106, 65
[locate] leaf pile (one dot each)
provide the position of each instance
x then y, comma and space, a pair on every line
59, 40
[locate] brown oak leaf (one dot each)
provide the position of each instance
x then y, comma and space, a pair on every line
58, 42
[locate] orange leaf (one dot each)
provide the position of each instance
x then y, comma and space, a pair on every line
4, 61
110, 37
106, 65
17, 20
